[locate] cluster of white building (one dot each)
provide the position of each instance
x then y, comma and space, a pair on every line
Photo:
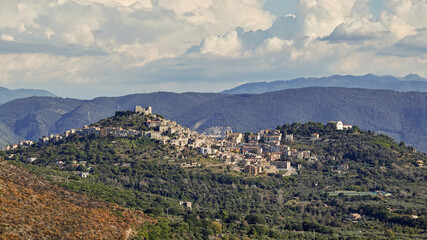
264, 151
163, 130
20, 144
258, 153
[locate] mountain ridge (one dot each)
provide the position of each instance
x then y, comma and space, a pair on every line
404, 111
411, 82
7, 95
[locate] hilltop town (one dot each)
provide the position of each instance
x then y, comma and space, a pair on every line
272, 183
266, 151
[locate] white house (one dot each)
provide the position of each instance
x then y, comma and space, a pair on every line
289, 138
338, 125
282, 165
347, 126
254, 138
5, 148
205, 150
187, 204
314, 136
234, 137
272, 138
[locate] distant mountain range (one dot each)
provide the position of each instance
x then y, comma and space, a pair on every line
399, 114
411, 82
7, 95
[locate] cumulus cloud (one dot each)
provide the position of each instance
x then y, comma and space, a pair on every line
117, 3
6, 37
150, 43
227, 45
410, 13
414, 43
357, 31
321, 17
275, 44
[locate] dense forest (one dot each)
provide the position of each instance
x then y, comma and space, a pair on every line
141, 174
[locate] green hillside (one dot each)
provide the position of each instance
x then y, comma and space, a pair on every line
380, 195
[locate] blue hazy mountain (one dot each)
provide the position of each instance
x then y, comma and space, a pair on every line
411, 82
401, 115
7, 95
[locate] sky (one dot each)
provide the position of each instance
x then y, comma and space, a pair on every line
90, 48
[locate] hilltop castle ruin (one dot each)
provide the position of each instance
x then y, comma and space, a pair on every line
139, 109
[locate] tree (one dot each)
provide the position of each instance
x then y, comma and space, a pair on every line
216, 227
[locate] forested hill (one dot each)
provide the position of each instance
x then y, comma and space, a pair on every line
355, 184
34, 117
399, 114
7, 95
412, 82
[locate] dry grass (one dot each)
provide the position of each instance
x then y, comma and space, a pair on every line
33, 208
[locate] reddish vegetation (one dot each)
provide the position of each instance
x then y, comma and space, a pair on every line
33, 208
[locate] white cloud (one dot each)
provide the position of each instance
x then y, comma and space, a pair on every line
153, 42
404, 16
118, 3
411, 12
320, 17
227, 45
184, 7
43, 68
81, 35
7, 38
17, 15
360, 30
247, 14
273, 45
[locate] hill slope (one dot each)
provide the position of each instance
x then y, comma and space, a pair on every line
398, 114
323, 199
411, 82
7, 95
33, 208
